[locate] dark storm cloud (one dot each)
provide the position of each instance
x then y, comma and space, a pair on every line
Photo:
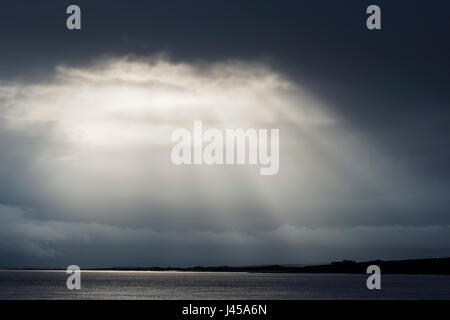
390, 90
393, 84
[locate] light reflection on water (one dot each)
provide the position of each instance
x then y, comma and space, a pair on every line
217, 285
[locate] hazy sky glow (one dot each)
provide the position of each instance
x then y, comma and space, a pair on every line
95, 170
86, 120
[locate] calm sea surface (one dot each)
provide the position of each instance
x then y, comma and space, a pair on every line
217, 285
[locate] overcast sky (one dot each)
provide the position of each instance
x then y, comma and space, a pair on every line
86, 118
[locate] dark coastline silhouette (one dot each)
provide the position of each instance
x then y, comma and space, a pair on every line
437, 266
414, 266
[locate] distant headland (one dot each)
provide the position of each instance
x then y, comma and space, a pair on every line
415, 266
438, 266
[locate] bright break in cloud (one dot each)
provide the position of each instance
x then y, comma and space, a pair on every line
87, 177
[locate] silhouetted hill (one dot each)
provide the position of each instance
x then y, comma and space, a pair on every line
417, 266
